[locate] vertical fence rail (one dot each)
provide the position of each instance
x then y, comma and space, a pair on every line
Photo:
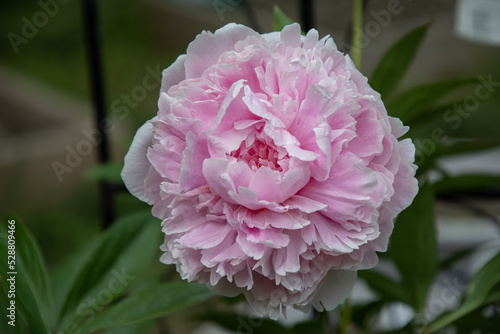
306, 14
92, 44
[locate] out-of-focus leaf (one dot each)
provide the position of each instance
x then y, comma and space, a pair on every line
246, 323
105, 172
469, 146
280, 19
386, 287
396, 61
476, 322
478, 294
425, 124
413, 246
32, 290
124, 251
157, 301
466, 183
482, 283
64, 276
413, 103
428, 150
449, 261
365, 315
310, 327
143, 327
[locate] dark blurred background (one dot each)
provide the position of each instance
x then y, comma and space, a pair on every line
45, 103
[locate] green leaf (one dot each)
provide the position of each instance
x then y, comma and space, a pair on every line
143, 327
482, 283
280, 19
466, 146
396, 61
386, 287
32, 291
476, 321
310, 327
155, 302
65, 275
246, 323
122, 254
105, 172
478, 294
413, 246
449, 261
410, 105
431, 150
466, 183
426, 123
365, 315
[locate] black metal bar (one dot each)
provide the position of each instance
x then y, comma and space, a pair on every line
252, 18
346, 44
92, 41
306, 14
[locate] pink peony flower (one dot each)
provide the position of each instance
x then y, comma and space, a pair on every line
274, 167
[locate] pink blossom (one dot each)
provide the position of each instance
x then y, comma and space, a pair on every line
274, 167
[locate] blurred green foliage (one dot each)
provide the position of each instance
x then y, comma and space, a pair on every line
56, 56
52, 293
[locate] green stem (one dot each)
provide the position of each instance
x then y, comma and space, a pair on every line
325, 321
357, 30
345, 317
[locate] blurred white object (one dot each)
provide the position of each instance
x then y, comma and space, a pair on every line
478, 20
485, 162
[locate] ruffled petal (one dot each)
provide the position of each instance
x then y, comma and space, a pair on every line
137, 165
335, 289
207, 47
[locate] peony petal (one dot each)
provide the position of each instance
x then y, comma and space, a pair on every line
173, 74
290, 35
271, 237
233, 109
264, 219
207, 47
311, 39
215, 172
270, 186
205, 236
196, 152
304, 204
335, 289
349, 180
368, 141
137, 165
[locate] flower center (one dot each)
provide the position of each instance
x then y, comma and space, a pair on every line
258, 154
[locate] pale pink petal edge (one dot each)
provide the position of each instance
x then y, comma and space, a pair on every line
137, 165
